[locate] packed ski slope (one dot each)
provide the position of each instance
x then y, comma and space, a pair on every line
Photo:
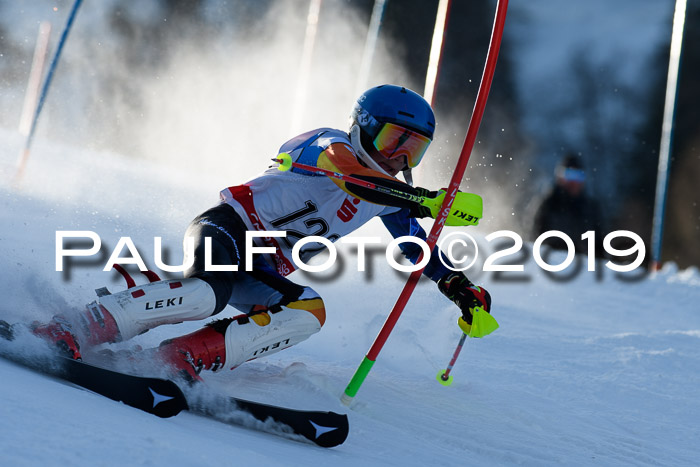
591, 370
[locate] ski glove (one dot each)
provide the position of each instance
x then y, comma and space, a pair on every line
459, 289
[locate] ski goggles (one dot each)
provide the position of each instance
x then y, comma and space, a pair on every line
394, 141
571, 175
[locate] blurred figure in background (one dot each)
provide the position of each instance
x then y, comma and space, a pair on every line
569, 209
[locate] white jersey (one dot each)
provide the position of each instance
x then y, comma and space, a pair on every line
301, 203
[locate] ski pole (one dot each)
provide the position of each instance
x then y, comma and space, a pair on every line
286, 163
482, 325
444, 376
468, 206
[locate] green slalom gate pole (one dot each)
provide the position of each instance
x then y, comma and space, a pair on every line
487, 78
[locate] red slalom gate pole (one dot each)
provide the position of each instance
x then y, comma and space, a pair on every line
474, 123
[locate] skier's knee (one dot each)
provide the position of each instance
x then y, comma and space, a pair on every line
221, 285
312, 302
225, 231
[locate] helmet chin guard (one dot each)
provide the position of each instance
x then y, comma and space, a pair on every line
357, 144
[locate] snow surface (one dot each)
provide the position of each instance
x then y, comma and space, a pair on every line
586, 371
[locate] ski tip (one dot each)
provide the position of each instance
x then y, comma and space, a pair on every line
167, 399
329, 435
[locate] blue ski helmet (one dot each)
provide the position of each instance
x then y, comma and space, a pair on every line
393, 121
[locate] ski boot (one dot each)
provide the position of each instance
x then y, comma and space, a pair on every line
232, 341
188, 355
97, 326
58, 332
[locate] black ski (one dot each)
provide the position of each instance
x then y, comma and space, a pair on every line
157, 396
326, 429
164, 398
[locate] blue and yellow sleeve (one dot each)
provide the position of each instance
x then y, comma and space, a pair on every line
400, 224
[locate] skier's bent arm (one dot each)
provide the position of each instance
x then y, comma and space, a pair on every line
400, 224
339, 158
453, 284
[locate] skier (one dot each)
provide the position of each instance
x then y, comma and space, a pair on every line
390, 130
569, 209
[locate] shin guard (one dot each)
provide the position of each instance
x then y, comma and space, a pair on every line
123, 315
268, 332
